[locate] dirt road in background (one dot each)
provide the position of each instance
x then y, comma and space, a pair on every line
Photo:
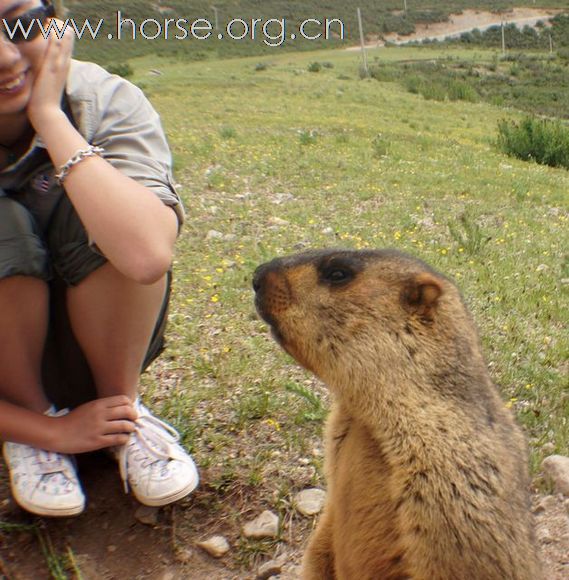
465, 22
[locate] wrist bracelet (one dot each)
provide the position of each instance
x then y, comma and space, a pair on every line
77, 158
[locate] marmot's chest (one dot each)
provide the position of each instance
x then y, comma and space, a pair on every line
361, 498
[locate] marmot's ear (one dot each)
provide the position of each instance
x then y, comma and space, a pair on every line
421, 294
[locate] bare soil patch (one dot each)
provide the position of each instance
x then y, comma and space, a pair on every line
107, 542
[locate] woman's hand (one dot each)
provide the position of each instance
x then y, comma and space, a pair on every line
50, 79
94, 425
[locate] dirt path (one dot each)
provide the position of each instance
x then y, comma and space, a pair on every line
465, 22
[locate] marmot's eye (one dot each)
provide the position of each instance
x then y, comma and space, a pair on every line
338, 275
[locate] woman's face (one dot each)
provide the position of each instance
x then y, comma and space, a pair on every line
19, 62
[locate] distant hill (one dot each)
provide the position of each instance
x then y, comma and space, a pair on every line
378, 18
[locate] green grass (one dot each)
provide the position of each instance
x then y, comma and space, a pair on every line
278, 159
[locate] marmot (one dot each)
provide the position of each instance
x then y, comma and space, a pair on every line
426, 469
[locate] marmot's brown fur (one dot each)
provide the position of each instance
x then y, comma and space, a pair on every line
426, 470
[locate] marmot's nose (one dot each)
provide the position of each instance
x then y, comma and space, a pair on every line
258, 277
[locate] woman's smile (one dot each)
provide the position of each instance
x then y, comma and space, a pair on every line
14, 84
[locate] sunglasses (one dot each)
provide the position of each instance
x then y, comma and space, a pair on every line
25, 27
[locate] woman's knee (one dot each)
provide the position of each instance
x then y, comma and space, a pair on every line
22, 251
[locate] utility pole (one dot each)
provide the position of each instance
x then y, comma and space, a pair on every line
503, 38
362, 42
216, 20
405, 6
550, 44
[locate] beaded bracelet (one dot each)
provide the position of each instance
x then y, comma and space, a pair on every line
77, 158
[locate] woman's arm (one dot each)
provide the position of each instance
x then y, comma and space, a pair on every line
132, 227
94, 425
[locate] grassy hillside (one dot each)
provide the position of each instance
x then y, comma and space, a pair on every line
378, 18
272, 159
506, 80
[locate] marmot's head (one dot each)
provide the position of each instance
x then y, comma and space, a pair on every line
375, 314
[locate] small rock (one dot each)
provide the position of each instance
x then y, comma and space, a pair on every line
229, 237
328, 231
216, 546
147, 515
168, 575
426, 222
155, 72
545, 503
279, 198
268, 569
277, 221
111, 549
548, 447
557, 467
264, 526
214, 235
541, 268
310, 502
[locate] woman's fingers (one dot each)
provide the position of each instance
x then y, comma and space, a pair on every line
119, 427
112, 440
117, 400
121, 412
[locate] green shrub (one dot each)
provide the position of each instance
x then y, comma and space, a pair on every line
414, 84
433, 91
385, 73
314, 67
541, 140
380, 146
468, 234
227, 133
307, 137
123, 69
461, 91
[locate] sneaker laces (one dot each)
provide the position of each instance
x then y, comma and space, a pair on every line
155, 436
50, 462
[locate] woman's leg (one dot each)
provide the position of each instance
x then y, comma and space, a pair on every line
42, 483
23, 307
23, 316
113, 319
118, 324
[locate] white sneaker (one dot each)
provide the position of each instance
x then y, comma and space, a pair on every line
153, 464
43, 482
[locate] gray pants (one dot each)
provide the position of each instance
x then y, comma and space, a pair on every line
60, 255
